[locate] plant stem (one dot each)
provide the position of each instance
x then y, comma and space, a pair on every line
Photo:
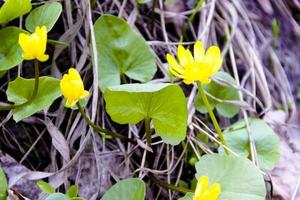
212, 116
191, 18
148, 131
154, 2
169, 186
34, 93
102, 130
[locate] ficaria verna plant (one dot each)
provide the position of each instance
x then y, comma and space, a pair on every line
140, 115
198, 68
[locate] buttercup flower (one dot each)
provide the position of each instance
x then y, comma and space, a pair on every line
198, 68
72, 87
204, 193
34, 45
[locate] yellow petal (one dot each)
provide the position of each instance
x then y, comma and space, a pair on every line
174, 64
217, 66
201, 186
214, 191
199, 52
212, 57
188, 82
43, 57
175, 73
205, 80
182, 55
74, 74
189, 56
85, 94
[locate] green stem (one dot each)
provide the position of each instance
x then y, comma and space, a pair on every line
34, 93
191, 18
154, 2
212, 116
148, 131
169, 186
102, 130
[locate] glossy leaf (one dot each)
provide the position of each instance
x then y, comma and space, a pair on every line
266, 141
72, 191
12, 9
10, 51
121, 51
45, 15
48, 91
128, 189
165, 104
187, 196
45, 187
220, 92
3, 185
239, 178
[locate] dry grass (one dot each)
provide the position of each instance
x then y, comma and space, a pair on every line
59, 142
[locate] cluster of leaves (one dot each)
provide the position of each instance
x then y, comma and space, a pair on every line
71, 194
123, 53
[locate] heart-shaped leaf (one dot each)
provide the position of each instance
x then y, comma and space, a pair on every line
220, 92
10, 51
3, 185
45, 15
12, 9
20, 90
128, 189
266, 141
165, 104
121, 51
239, 178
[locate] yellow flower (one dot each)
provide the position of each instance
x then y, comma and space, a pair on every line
34, 45
72, 87
204, 193
198, 68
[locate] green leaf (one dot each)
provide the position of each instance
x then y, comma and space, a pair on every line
12, 9
72, 191
10, 51
3, 185
221, 92
187, 196
142, 1
20, 90
45, 15
128, 189
2, 73
165, 104
45, 187
239, 178
121, 51
266, 141
57, 196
